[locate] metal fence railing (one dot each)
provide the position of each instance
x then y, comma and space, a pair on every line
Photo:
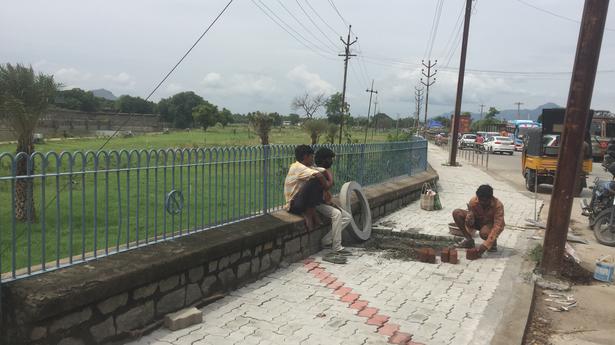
73, 207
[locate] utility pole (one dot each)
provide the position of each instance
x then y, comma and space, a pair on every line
375, 119
575, 121
481, 111
346, 56
369, 108
418, 98
462, 69
518, 110
429, 82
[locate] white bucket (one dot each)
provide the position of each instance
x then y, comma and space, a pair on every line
604, 269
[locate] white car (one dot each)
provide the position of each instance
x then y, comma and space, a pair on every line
499, 144
467, 140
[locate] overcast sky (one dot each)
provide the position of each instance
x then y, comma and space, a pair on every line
247, 62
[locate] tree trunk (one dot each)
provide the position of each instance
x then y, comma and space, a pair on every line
314, 138
24, 187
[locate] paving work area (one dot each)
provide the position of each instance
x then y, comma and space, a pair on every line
377, 300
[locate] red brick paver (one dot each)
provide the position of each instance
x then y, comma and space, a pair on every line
377, 320
400, 338
342, 291
359, 305
350, 297
368, 312
335, 285
388, 329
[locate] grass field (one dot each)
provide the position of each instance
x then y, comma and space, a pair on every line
105, 205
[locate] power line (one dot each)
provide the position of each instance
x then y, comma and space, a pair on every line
303, 26
434, 29
171, 71
314, 23
454, 34
321, 19
291, 34
337, 11
554, 14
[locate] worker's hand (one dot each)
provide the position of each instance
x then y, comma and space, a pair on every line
328, 197
328, 175
481, 250
470, 220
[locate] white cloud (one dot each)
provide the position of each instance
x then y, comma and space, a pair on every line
239, 84
71, 77
311, 82
173, 88
122, 80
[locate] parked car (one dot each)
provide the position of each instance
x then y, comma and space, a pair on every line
499, 144
467, 140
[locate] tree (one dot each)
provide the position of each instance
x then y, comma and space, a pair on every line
294, 119
130, 104
177, 109
334, 108
332, 133
445, 121
315, 128
491, 113
277, 119
225, 117
309, 104
24, 97
77, 99
261, 122
205, 115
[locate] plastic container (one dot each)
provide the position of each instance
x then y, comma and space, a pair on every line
604, 269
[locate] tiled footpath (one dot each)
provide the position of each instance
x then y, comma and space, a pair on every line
372, 300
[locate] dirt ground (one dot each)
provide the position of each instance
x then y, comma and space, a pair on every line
592, 321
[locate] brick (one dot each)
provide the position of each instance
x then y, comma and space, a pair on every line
111, 304
368, 312
71, 320
445, 255
358, 305
256, 266
400, 338
208, 284
227, 277
427, 255
145, 291
342, 291
322, 275
335, 285
276, 256
265, 262
103, 330
377, 320
308, 261
350, 297
472, 254
453, 256
328, 280
311, 265
388, 329
317, 271
183, 318
292, 247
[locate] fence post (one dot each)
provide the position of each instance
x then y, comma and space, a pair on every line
362, 166
265, 178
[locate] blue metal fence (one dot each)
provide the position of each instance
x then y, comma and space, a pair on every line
73, 207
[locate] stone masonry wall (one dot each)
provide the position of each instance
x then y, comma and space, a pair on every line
113, 298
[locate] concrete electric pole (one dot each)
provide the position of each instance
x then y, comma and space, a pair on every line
369, 108
481, 111
518, 110
462, 68
575, 122
430, 74
346, 56
418, 98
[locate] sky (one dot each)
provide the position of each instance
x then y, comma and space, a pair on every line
248, 62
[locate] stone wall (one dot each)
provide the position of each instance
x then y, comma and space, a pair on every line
63, 122
114, 298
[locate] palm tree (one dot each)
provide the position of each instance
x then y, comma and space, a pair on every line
24, 97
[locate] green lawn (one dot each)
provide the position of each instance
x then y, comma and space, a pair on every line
114, 205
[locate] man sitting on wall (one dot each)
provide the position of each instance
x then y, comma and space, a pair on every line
486, 214
306, 189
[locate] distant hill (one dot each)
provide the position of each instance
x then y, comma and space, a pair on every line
511, 114
103, 93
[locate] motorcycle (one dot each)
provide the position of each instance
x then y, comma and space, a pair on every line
601, 209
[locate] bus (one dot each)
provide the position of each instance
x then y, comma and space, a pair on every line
518, 128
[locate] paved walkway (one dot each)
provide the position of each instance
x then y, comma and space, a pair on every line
373, 300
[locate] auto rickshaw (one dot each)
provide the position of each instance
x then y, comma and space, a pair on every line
541, 150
